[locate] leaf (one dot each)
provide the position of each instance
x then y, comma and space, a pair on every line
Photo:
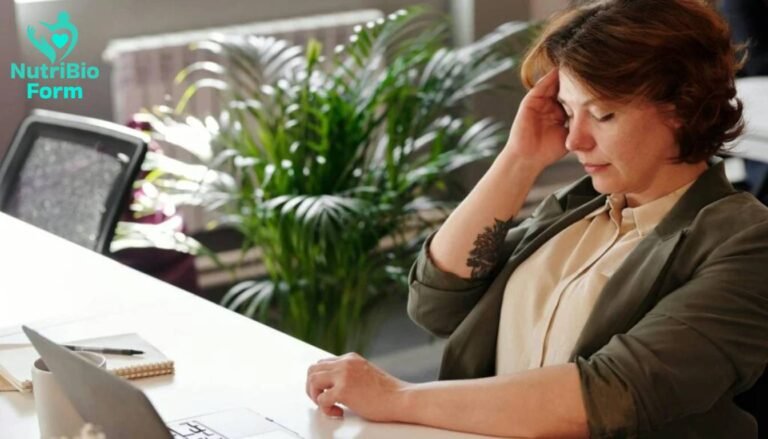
198, 85
162, 236
201, 66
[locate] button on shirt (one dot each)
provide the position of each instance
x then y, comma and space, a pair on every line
549, 297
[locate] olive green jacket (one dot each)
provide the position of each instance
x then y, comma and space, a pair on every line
677, 331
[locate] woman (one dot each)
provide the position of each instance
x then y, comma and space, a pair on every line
633, 302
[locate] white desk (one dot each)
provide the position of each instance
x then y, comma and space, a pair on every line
223, 360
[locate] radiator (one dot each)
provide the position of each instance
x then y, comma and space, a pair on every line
143, 68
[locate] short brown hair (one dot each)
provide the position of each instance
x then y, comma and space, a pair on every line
675, 52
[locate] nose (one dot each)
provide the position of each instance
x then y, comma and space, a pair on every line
579, 137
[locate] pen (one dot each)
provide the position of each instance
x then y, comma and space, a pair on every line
109, 351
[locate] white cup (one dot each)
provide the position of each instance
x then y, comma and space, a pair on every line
56, 415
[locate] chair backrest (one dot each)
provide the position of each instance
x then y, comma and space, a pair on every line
71, 175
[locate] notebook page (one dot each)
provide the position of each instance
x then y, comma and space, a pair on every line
16, 362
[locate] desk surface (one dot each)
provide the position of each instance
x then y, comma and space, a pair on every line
223, 360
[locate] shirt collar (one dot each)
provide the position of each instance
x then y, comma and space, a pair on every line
645, 217
649, 215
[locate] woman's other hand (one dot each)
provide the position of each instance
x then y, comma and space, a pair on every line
353, 381
538, 134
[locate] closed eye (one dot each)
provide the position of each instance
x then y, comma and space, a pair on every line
605, 118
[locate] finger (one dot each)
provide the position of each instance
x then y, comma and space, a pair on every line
327, 403
323, 364
327, 399
334, 412
318, 383
548, 85
548, 77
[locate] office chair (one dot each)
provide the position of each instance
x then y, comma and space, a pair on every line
71, 175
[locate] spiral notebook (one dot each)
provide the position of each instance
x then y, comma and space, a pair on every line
16, 363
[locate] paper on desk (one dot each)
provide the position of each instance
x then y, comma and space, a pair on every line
5, 386
16, 361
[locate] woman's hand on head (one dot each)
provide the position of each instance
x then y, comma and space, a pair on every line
353, 381
538, 133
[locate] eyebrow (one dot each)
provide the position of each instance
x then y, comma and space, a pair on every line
587, 102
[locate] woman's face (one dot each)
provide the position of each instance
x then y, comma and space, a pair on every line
626, 148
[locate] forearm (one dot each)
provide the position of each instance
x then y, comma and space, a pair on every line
544, 402
486, 211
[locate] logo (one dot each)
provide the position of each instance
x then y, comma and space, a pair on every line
55, 41
62, 33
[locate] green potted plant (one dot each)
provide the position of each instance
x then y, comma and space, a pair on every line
328, 164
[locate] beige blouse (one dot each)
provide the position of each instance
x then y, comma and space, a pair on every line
549, 297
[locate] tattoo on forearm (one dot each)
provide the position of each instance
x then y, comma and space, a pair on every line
487, 249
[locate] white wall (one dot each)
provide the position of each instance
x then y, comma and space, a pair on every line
99, 21
12, 102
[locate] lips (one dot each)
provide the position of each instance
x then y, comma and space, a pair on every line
595, 167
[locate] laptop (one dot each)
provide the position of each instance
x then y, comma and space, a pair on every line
121, 410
